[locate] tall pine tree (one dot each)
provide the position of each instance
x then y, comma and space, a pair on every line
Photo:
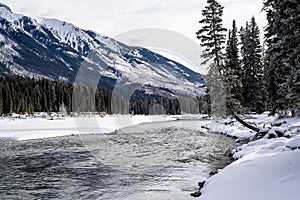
1, 100
212, 37
7, 99
283, 40
252, 79
256, 62
233, 71
212, 33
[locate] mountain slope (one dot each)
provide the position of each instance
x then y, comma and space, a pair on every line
59, 50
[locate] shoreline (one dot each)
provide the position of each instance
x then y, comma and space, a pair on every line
179, 168
228, 154
22, 127
271, 162
38, 128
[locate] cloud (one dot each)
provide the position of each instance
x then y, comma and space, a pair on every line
116, 16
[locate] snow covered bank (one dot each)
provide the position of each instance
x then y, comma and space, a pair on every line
265, 169
34, 128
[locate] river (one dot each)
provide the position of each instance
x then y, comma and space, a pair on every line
161, 160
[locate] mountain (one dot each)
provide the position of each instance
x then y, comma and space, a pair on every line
59, 50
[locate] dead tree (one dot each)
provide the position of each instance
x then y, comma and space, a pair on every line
245, 123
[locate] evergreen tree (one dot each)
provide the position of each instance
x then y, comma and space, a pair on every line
295, 93
15, 91
1, 100
233, 71
232, 51
256, 62
7, 99
51, 97
44, 100
252, 78
247, 81
37, 98
33, 98
212, 37
212, 34
68, 90
283, 40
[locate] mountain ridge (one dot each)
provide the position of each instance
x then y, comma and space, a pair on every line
56, 49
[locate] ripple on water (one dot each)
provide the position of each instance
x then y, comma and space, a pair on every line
153, 163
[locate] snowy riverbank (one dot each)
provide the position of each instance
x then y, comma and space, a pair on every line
34, 128
265, 169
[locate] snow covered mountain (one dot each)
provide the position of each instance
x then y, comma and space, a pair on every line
58, 50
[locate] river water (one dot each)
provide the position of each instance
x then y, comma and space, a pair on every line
161, 160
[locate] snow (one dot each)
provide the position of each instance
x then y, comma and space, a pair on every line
131, 63
6, 13
265, 169
68, 33
76, 37
295, 143
234, 130
158, 76
34, 128
271, 176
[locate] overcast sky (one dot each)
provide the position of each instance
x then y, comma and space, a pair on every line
114, 17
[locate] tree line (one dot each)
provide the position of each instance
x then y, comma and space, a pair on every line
253, 77
29, 95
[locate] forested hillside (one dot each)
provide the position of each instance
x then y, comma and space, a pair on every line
29, 95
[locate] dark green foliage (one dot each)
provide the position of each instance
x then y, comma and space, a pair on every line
1, 101
28, 95
232, 51
282, 56
295, 93
233, 72
252, 77
156, 106
7, 98
269, 81
212, 34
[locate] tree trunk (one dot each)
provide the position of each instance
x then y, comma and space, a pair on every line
246, 124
